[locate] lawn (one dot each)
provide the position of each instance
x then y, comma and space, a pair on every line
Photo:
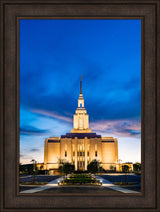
80, 179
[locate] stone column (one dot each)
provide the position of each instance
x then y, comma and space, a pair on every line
76, 153
85, 146
46, 154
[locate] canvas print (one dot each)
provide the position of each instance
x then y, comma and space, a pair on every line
80, 106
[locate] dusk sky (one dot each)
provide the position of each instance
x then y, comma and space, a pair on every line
53, 55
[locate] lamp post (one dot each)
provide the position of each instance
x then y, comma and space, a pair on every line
34, 169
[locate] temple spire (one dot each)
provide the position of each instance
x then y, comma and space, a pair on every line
81, 84
81, 118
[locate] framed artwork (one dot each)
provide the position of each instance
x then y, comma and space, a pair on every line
47, 98
80, 89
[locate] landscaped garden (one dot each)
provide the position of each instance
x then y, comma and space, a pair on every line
79, 179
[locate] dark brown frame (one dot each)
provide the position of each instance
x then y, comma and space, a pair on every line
148, 12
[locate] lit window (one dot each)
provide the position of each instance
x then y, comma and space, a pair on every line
73, 148
96, 150
65, 150
88, 150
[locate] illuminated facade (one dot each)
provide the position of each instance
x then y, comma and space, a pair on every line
81, 146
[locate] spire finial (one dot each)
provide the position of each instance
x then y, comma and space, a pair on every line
81, 84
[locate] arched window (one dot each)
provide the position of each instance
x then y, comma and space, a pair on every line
96, 150
65, 150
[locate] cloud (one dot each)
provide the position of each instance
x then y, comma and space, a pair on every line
51, 115
106, 96
133, 132
34, 150
29, 130
121, 128
49, 74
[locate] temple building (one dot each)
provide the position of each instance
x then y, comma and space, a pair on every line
81, 145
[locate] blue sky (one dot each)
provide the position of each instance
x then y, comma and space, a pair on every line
53, 55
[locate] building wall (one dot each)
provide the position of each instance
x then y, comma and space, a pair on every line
80, 121
109, 153
45, 153
66, 144
86, 121
75, 121
51, 155
104, 150
95, 145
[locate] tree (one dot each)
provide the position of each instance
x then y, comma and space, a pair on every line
21, 169
65, 168
94, 167
125, 169
137, 167
68, 168
41, 167
112, 167
35, 170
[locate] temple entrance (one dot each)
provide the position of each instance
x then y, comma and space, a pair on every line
81, 157
81, 165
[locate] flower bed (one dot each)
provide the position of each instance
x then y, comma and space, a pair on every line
80, 179
35, 183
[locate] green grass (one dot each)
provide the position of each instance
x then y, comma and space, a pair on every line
80, 176
80, 179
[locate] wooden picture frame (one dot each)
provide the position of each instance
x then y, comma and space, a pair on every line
11, 12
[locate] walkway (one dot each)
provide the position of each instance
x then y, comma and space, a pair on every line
51, 184
27, 176
107, 183
54, 183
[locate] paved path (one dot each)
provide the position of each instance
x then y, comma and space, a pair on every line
27, 176
51, 184
107, 183
54, 183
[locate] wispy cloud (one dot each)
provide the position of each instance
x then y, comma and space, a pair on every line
29, 130
34, 150
51, 115
118, 127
